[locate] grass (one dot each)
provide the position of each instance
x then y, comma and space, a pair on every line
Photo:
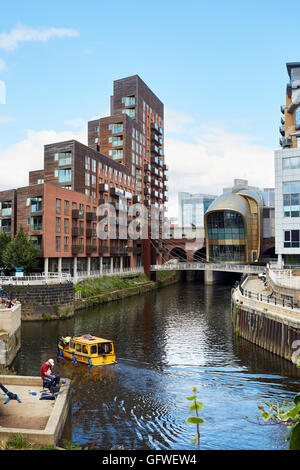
104, 284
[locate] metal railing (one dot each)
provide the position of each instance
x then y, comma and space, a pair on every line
106, 271
239, 268
268, 299
43, 278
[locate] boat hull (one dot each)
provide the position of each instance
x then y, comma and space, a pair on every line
105, 359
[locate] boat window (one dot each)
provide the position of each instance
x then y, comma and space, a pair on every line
101, 348
72, 345
94, 349
84, 349
108, 348
78, 347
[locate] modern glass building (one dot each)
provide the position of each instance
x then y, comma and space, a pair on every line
192, 208
234, 225
287, 174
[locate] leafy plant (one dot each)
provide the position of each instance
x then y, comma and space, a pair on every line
196, 406
17, 441
287, 414
20, 251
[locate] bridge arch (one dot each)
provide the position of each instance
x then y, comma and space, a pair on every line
200, 255
179, 253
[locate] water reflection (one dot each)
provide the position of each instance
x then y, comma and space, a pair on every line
166, 342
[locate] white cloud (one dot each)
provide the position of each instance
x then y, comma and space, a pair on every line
21, 33
17, 160
212, 159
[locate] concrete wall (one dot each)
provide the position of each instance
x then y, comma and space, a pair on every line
10, 334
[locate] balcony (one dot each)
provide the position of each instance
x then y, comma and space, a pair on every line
6, 212
154, 149
77, 231
77, 214
281, 130
77, 249
103, 187
90, 232
89, 249
91, 216
36, 228
286, 142
282, 108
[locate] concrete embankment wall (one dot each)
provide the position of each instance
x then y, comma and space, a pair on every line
118, 294
276, 333
42, 301
10, 334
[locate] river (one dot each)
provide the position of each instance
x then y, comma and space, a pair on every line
167, 342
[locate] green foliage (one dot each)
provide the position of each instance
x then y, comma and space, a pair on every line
287, 414
5, 239
17, 442
195, 406
104, 284
70, 446
20, 251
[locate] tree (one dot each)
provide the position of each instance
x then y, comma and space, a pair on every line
21, 252
5, 239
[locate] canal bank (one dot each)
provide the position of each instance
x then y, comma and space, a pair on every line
93, 292
167, 342
266, 312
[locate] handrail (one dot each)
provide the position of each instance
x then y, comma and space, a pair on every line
245, 268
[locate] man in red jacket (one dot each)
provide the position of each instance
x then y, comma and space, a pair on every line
48, 377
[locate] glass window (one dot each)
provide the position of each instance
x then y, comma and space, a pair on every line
65, 176
291, 199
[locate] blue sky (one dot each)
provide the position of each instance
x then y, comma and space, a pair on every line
219, 67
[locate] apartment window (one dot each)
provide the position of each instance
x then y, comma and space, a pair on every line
97, 128
66, 243
96, 140
129, 111
128, 100
291, 239
57, 243
116, 141
94, 181
291, 163
87, 179
66, 207
117, 128
291, 199
65, 176
94, 165
117, 154
87, 163
58, 206
40, 181
6, 208
297, 116
63, 158
36, 204
57, 225
66, 225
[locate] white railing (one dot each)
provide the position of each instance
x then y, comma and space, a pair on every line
43, 278
284, 278
240, 268
81, 275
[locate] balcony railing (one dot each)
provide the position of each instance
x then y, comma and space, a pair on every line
77, 214
77, 231
77, 249
36, 228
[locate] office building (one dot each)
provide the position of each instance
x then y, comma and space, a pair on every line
287, 174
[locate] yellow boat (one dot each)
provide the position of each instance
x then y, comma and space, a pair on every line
87, 349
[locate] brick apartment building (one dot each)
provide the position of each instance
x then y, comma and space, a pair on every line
122, 164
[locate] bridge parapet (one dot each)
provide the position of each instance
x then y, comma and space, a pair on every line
237, 268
